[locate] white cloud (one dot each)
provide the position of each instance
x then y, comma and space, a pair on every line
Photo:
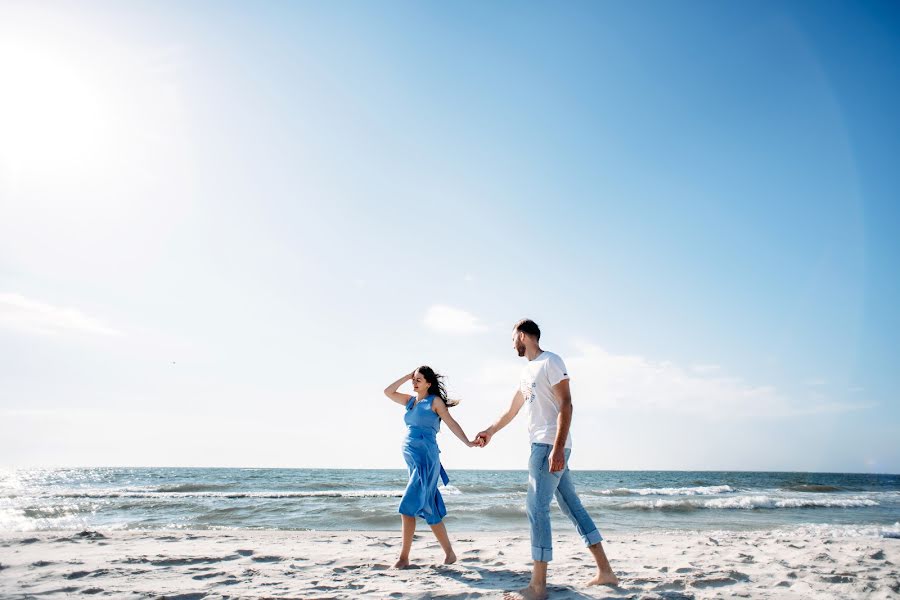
601, 379
455, 321
18, 312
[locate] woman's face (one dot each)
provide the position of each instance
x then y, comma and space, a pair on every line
419, 383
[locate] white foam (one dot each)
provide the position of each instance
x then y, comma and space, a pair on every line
232, 495
755, 502
707, 490
892, 531
13, 519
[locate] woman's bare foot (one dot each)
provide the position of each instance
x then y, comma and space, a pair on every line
604, 579
401, 563
450, 558
528, 593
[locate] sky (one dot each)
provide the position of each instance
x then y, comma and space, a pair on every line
226, 227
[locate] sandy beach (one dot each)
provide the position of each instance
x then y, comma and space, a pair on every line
803, 563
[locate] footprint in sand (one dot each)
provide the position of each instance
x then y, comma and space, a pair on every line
640, 580
712, 582
77, 574
728, 578
672, 586
192, 560
39, 563
839, 578
208, 575
80, 574
268, 558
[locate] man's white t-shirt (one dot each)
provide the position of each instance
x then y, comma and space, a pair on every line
537, 381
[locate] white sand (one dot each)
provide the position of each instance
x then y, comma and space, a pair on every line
278, 564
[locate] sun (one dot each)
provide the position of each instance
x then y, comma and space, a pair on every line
52, 113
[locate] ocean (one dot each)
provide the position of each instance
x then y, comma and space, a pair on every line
323, 499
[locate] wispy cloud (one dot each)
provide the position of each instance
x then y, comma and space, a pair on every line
609, 379
454, 321
602, 379
20, 313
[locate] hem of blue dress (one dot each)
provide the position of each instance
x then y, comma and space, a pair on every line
426, 519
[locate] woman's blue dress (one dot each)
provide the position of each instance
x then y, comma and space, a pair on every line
420, 450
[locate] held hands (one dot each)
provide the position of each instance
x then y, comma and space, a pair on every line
482, 439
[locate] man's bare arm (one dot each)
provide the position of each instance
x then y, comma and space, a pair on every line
563, 423
514, 407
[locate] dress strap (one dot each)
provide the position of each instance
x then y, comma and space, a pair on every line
412, 400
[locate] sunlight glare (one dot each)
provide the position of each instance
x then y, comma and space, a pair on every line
52, 117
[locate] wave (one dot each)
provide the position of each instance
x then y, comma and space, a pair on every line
811, 487
233, 495
194, 487
502, 511
490, 489
706, 490
749, 503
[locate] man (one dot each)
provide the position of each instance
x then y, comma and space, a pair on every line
544, 390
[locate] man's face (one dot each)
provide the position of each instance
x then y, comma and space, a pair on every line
518, 344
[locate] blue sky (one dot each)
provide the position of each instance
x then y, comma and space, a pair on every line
226, 227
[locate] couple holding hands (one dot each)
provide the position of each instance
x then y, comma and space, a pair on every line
544, 392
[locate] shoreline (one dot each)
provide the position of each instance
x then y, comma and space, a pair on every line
218, 564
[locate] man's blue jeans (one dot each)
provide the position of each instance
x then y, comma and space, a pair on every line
542, 486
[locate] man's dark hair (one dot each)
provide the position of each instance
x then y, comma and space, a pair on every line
528, 327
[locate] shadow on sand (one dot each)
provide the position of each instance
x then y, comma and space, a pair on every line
494, 580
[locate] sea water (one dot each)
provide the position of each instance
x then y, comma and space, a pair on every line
322, 499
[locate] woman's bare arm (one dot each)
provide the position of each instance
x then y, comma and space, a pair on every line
441, 409
392, 393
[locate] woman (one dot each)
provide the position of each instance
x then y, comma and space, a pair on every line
424, 413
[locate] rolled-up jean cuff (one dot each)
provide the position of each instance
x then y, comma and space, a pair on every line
541, 554
592, 538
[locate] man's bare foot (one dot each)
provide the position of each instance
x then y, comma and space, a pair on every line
528, 593
450, 558
604, 579
401, 563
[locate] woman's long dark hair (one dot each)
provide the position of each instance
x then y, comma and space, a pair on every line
436, 385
